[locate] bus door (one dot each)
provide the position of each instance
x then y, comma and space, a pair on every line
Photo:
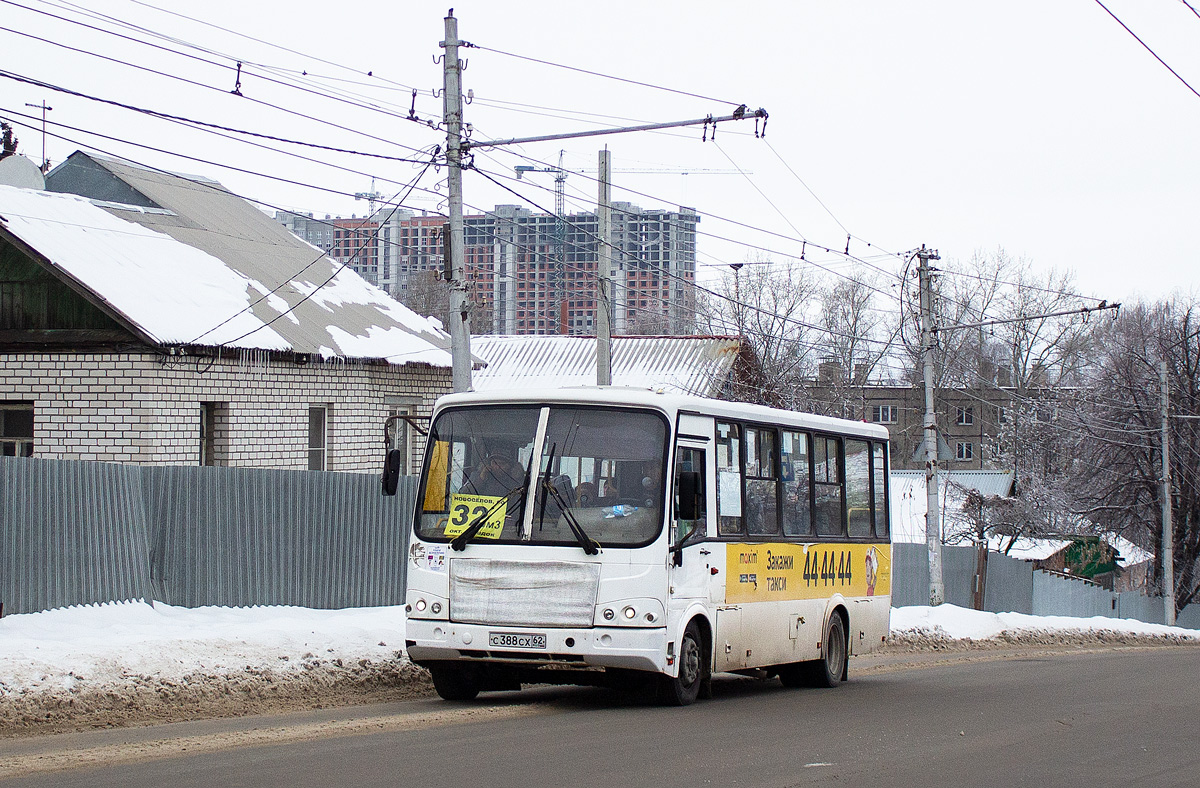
692, 518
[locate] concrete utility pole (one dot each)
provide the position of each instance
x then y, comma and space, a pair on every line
1168, 530
933, 528
452, 116
604, 264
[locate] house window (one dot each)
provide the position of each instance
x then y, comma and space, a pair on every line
964, 416
1001, 415
964, 450
884, 414
16, 429
317, 437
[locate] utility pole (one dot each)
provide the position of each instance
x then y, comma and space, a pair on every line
604, 264
45, 166
452, 116
933, 529
1168, 530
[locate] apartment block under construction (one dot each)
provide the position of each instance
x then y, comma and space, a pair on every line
530, 273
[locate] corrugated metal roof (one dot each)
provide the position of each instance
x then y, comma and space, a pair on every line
987, 483
684, 365
909, 499
313, 304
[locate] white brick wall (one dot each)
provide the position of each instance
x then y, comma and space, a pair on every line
145, 408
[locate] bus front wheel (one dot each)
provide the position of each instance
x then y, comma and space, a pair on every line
455, 683
682, 690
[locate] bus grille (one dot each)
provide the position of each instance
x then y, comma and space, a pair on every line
523, 593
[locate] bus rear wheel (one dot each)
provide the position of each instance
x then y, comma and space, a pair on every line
455, 683
682, 690
829, 671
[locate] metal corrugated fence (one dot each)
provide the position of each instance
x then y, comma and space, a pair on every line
70, 533
82, 532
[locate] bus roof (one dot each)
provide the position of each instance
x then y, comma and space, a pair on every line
668, 403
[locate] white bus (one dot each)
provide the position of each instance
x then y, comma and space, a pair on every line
612, 536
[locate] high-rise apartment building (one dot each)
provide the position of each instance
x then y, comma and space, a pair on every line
531, 273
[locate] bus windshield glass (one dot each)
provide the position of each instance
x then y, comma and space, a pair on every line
603, 468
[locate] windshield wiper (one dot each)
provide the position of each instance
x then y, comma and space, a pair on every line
459, 542
590, 546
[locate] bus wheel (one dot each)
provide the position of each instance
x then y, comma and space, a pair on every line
684, 689
828, 672
455, 683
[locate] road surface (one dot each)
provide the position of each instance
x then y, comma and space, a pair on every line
1096, 717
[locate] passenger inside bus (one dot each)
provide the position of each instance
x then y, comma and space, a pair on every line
498, 474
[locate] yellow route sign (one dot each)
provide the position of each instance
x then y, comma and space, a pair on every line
464, 509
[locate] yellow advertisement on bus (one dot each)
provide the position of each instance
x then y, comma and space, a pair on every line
777, 571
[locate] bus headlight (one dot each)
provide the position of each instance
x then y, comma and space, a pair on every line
420, 605
640, 612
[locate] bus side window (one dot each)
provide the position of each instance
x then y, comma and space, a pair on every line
690, 461
729, 479
797, 486
827, 469
858, 488
879, 480
762, 482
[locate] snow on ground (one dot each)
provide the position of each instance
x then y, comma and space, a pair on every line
957, 623
94, 645
98, 644
134, 662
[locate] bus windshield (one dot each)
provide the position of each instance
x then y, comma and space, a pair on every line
602, 467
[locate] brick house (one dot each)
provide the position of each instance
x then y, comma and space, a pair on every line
158, 319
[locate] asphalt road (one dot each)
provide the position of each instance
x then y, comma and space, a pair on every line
1098, 718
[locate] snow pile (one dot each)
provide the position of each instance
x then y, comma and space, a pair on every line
949, 623
111, 662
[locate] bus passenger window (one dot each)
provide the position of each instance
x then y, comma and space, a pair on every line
690, 461
797, 487
879, 479
858, 488
729, 479
827, 470
762, 484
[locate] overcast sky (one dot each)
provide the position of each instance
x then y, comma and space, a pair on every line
1042, 127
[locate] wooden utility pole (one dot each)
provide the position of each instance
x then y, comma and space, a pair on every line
933, 526
604, 272
452, 116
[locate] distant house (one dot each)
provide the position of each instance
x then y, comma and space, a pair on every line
152, 318
701, 365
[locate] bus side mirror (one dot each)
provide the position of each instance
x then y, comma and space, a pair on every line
687, 495
391, 471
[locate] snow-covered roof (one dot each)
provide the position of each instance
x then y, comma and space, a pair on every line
683, 365
195, 265
909, 503
909, 499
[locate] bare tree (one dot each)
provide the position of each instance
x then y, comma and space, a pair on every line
1115, 423
8, 142
769, 305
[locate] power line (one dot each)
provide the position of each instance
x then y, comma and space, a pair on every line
194, 83
194, 122
1148, 49
232, 59
599, 74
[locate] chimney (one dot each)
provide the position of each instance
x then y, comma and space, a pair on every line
830, 373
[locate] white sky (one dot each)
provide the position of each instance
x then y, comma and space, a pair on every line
1042, 127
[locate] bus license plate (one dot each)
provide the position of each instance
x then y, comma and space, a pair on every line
528, 640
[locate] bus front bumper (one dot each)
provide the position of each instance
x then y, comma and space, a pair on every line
640, 648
